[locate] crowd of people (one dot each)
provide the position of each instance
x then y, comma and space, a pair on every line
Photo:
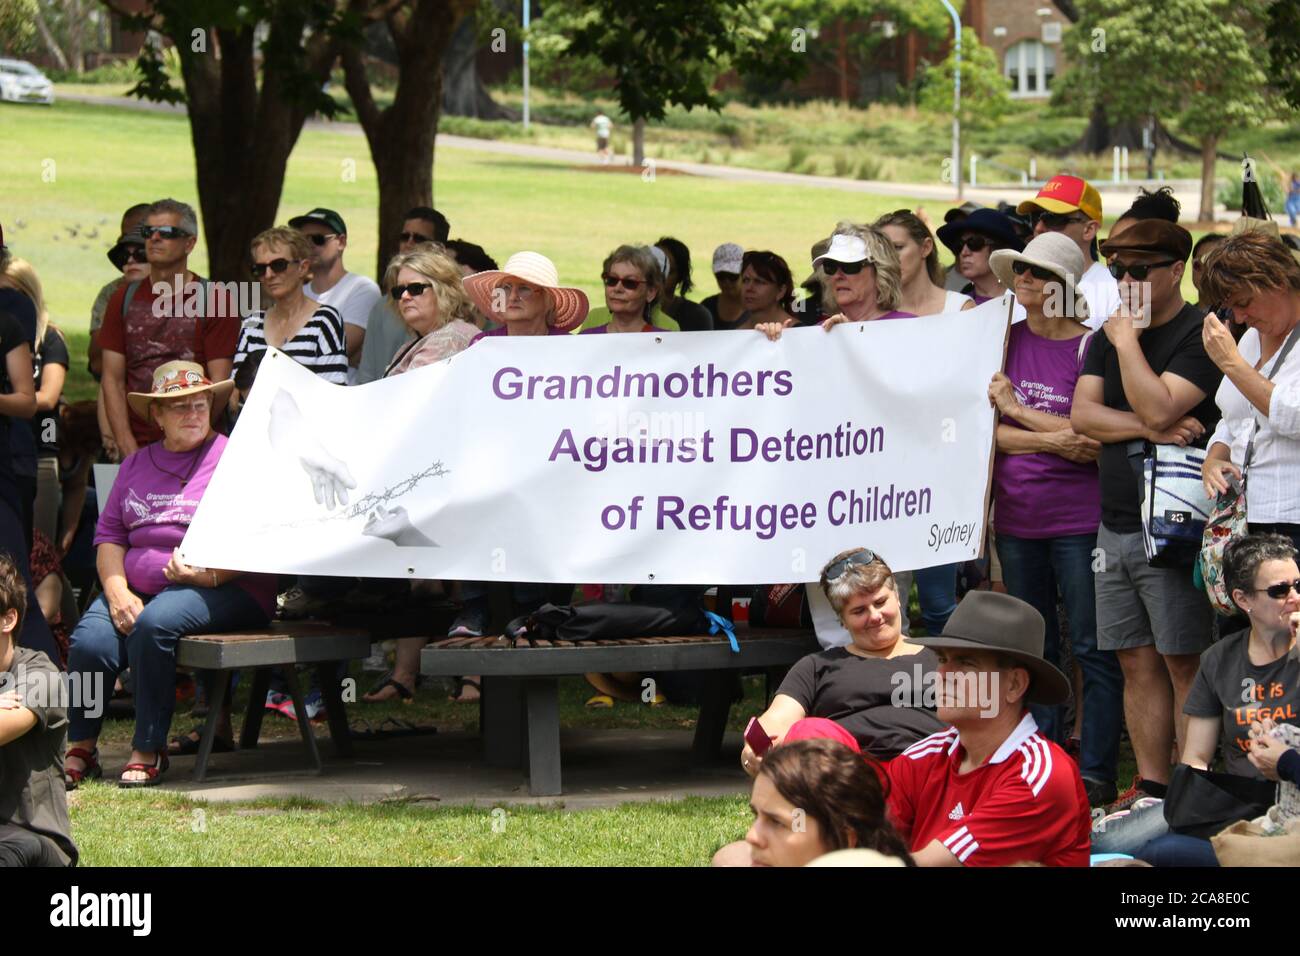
1042, 663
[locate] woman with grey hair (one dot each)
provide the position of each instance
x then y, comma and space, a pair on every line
860, 276
634, 282
858, 685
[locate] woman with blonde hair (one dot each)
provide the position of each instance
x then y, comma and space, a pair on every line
427, 295
918, 257
50, 370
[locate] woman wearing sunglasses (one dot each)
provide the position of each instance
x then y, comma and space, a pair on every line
308, 332
1046, 488
972, 241
633, 281
1259, 279
1244, 679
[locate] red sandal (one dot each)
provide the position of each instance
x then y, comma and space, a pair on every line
153, 772
91, 771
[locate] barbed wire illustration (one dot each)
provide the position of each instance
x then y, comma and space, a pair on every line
363, 505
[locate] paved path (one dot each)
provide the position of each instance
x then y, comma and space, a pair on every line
938, 193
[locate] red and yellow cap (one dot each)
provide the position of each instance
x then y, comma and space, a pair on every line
1065, 194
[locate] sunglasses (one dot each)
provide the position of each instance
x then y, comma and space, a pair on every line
1020, 267
857, 559
124, 254
1282, 590
275, 265
164, 232
319, 238
626, 282
416, 289
1139, 272
413, 237
975, 243
1056, 221
830, 267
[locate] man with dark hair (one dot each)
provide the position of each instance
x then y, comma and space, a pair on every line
470, 256
385, 331
1071, 206
146, 324
34, 826
1158, 204
1146, 378
352, 295
990, 790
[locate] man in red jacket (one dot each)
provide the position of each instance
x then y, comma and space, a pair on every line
990, 790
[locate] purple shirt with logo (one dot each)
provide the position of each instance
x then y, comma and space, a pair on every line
149, 510
1044, 495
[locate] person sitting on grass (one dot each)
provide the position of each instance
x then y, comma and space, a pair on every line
34, 826
855, 685
990, 790
151, 598
815, 794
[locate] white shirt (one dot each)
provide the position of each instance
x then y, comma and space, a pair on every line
353, 297
953, 301
1271, 482
1102, 292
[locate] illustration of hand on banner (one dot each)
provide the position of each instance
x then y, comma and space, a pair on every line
395, 526
290, 434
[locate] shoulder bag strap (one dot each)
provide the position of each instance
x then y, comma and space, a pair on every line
1282, 353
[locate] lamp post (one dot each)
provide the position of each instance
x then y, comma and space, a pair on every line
527, 20
956, 99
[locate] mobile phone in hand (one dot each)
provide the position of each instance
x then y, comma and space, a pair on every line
757, 737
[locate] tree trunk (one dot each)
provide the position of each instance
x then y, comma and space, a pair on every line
463, 92
51, 44
1209, 153
401, 136
242, 136
638, 143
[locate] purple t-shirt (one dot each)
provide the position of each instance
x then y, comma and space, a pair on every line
1044, 495
148, 512
550, 330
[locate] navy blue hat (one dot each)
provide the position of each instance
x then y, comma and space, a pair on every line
987, 222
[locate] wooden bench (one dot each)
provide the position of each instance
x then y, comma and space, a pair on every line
520, 717
283, 644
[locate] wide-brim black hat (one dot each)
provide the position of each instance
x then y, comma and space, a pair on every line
990, 621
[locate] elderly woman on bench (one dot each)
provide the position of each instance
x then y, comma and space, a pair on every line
151, 598
873, 686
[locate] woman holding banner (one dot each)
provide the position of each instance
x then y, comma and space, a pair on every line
861, 275
426, 293
151, 599
527, 298
1046, 488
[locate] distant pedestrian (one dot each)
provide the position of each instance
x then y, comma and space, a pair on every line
602, 124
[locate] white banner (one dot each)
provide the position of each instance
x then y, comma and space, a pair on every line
701, 458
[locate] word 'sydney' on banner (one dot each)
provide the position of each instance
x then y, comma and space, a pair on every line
697, 458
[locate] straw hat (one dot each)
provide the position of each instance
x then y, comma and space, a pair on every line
175, 379
534, 268
1053, 251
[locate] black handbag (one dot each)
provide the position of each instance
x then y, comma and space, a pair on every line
1201, 803
607, 622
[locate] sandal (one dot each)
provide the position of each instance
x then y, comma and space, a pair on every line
91, 771
600, 702
188, 745
153, 772
404, 693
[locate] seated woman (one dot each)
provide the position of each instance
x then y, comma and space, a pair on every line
815, 796
151, 598
1245, 677
426, 292
856, 685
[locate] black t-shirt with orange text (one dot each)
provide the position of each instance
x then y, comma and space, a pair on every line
1229, 687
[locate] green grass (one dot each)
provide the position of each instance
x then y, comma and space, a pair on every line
113, 827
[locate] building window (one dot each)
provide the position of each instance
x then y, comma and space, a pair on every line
1030, 66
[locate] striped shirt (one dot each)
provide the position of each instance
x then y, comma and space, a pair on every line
318, 346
